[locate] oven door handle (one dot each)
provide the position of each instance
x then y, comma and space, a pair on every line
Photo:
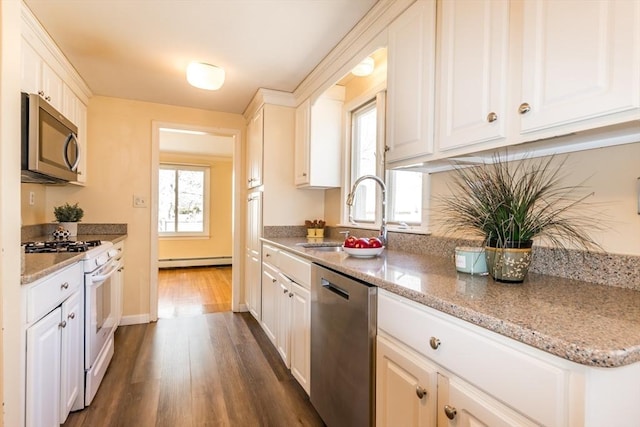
98, 278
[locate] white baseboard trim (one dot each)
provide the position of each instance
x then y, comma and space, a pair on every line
134, 319
194, 262
241, 308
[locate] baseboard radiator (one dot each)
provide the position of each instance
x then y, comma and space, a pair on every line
193, 262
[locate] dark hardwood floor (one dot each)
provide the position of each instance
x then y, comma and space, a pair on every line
212, 369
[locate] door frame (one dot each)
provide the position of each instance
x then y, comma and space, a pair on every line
236, 207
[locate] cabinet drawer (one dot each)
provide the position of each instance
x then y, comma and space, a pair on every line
270, 255
508, 370
297, 269
50, 291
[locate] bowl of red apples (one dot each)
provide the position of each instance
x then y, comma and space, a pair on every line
363, 247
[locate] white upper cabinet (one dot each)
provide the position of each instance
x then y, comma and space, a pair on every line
473, 65
255, 139
410, 82
38, 77
319, 140
581, 62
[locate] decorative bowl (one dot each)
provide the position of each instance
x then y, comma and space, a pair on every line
363, 252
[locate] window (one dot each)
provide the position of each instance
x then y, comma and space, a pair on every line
183, 202
404, 188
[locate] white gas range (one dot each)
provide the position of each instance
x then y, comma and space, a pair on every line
100, 262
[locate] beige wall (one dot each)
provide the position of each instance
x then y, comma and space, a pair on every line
220, 242
611, 173
119, 166
34, 214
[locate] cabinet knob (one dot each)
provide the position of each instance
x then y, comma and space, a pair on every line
267, 255
65, 285
274, 280
62, 324
41, 92
434, 343
285, 291
290, 294
450, 412
386, 148
48, 98
420, 392
304, 174
524, 108
72, 315
492, 117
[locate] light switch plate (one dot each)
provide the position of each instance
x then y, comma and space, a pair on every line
139, 201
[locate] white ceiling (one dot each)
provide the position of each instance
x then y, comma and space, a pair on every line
139, 49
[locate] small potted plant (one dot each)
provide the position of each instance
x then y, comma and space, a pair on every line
510, 204
68, 217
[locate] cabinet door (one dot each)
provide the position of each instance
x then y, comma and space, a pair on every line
43, 371
52, 86
72, 361
283, 303
300, 331
302, 143
31, 69
473, 46
461, 405
252, 283
410, 82
406, 392
580, 61
270, 289
255, 138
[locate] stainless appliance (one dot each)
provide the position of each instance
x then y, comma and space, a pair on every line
343, 329
50, 150
100, 264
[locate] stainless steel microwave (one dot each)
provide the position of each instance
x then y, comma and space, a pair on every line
50, 150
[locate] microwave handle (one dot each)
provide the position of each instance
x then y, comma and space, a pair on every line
70, 138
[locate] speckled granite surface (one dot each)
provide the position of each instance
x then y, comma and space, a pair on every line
37, 266
586, 323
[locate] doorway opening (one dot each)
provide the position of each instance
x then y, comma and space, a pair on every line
192, 222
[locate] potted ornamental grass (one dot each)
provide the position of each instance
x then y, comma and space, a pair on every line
68, 217
509, 204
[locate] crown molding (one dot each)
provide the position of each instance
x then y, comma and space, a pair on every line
268, 96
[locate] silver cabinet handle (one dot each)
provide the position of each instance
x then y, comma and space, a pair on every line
72, 315
434, 343
450, 412
492, 117
524, 108
420, 392
62, 324
65, 285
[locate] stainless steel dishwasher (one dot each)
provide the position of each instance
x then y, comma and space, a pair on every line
343, 329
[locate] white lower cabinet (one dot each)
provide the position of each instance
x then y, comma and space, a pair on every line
436, 370
54, 347
406, 387
286, 309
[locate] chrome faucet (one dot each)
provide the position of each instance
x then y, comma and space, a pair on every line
383, 187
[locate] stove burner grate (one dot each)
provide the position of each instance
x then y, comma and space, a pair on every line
53, 246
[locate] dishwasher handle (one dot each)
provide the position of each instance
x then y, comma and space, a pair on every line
335, 289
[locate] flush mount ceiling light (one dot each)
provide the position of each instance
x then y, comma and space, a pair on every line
205, 76
364, 68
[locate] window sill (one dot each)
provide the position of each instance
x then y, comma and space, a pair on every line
390, 228
184, 237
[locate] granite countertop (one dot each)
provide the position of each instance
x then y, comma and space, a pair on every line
37, 266
590, 324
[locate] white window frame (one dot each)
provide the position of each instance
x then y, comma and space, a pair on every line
379, 93
205, 205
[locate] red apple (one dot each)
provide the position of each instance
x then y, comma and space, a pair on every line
350, 242
362, 243
374, 242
